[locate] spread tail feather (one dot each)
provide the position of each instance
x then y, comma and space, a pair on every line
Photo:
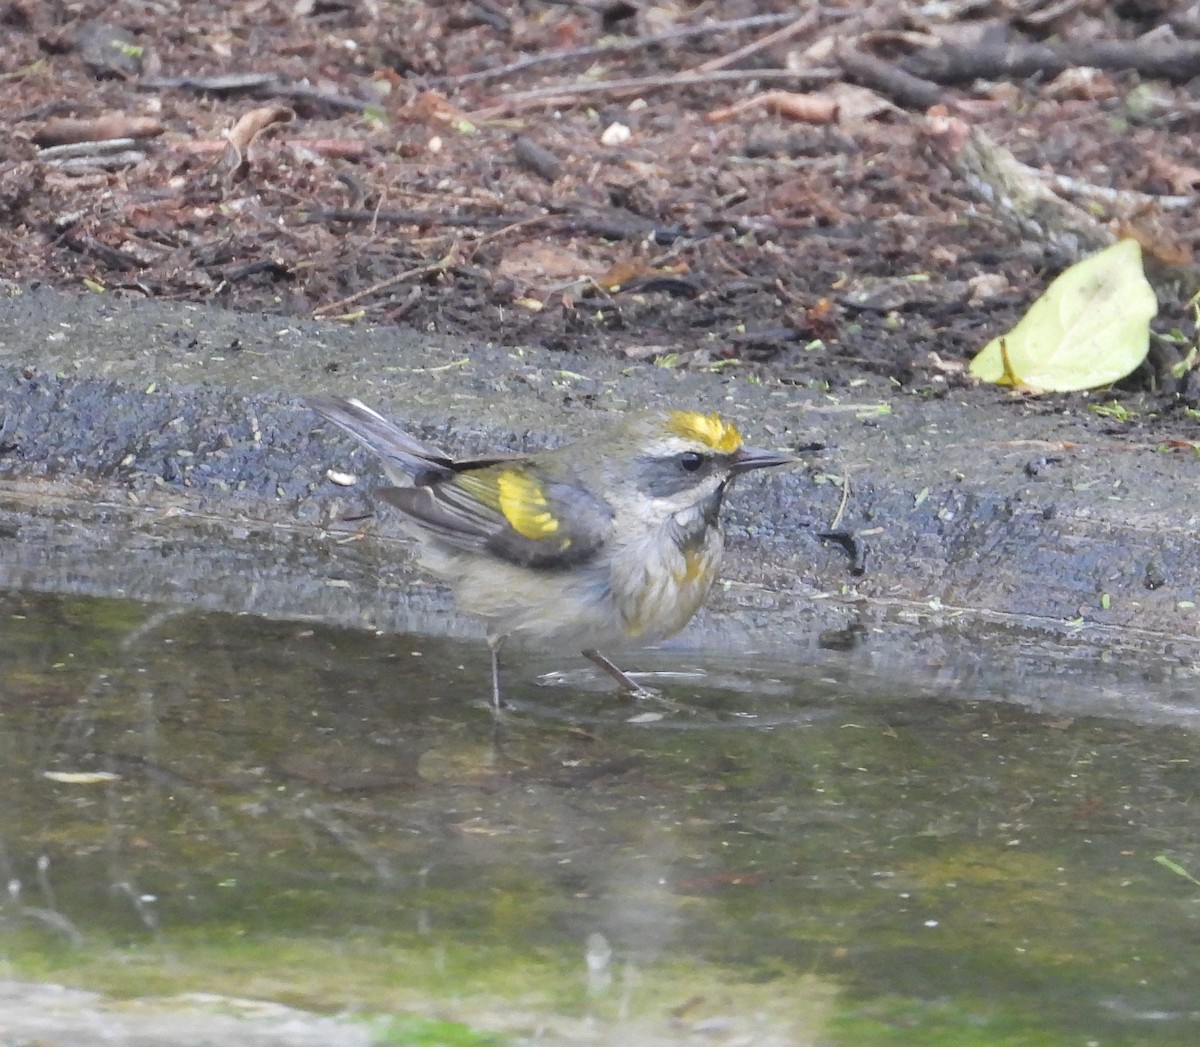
405, 458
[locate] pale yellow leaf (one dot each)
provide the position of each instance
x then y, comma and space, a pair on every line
1090, 328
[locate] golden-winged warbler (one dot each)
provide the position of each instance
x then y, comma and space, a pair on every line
615, 536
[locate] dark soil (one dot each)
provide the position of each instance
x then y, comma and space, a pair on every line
407, 176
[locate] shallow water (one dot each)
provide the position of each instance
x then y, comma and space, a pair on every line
331, 819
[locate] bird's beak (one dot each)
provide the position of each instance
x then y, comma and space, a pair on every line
747, 458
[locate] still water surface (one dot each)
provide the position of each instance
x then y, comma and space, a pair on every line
331, 819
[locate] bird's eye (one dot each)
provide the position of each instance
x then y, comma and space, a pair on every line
691, 460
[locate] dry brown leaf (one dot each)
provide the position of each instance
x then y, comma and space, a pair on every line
330, 148
250, 125
233, 165
1156, 241
67, 130
542, 266
946, 366
1081, 82
792, 105
621, 273
433, 107
856, 105
1182, 178
809, 108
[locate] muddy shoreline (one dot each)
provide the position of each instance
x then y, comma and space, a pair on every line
174, 428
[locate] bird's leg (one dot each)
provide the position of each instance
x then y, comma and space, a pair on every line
494, 644
631, 688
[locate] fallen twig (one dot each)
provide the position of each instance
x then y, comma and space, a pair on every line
226, 83
267, 85
1018, 197
620, 226
421, 219
333, 148
307, 93
537, 158
906, 90
803, 24
569, 94
809, 108
441, 265
1125, 201
1022, 197
66, 130
1177, 62
122, 261
55, 153
620, 47
106, 161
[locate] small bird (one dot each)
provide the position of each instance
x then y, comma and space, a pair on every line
614, 537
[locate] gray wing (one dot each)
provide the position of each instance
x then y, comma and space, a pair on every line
461, 513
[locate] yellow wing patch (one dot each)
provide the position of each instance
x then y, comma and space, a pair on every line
524, 505
708, 429
480, 484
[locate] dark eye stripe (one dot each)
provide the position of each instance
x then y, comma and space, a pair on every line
664, 476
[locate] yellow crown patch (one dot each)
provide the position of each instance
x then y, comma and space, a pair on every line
708, 429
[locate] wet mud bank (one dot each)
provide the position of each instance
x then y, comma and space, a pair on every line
157, 451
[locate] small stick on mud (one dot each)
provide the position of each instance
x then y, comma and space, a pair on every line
906, 90
392, 281
573, 94
803, 24
1153, 59
734, 25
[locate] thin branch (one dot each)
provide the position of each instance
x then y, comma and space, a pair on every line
1176, 61
803, 24
624, 47
441, 265
889, 80
1129, 201
841, 509
563, 94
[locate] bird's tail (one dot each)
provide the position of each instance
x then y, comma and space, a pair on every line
405, 458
